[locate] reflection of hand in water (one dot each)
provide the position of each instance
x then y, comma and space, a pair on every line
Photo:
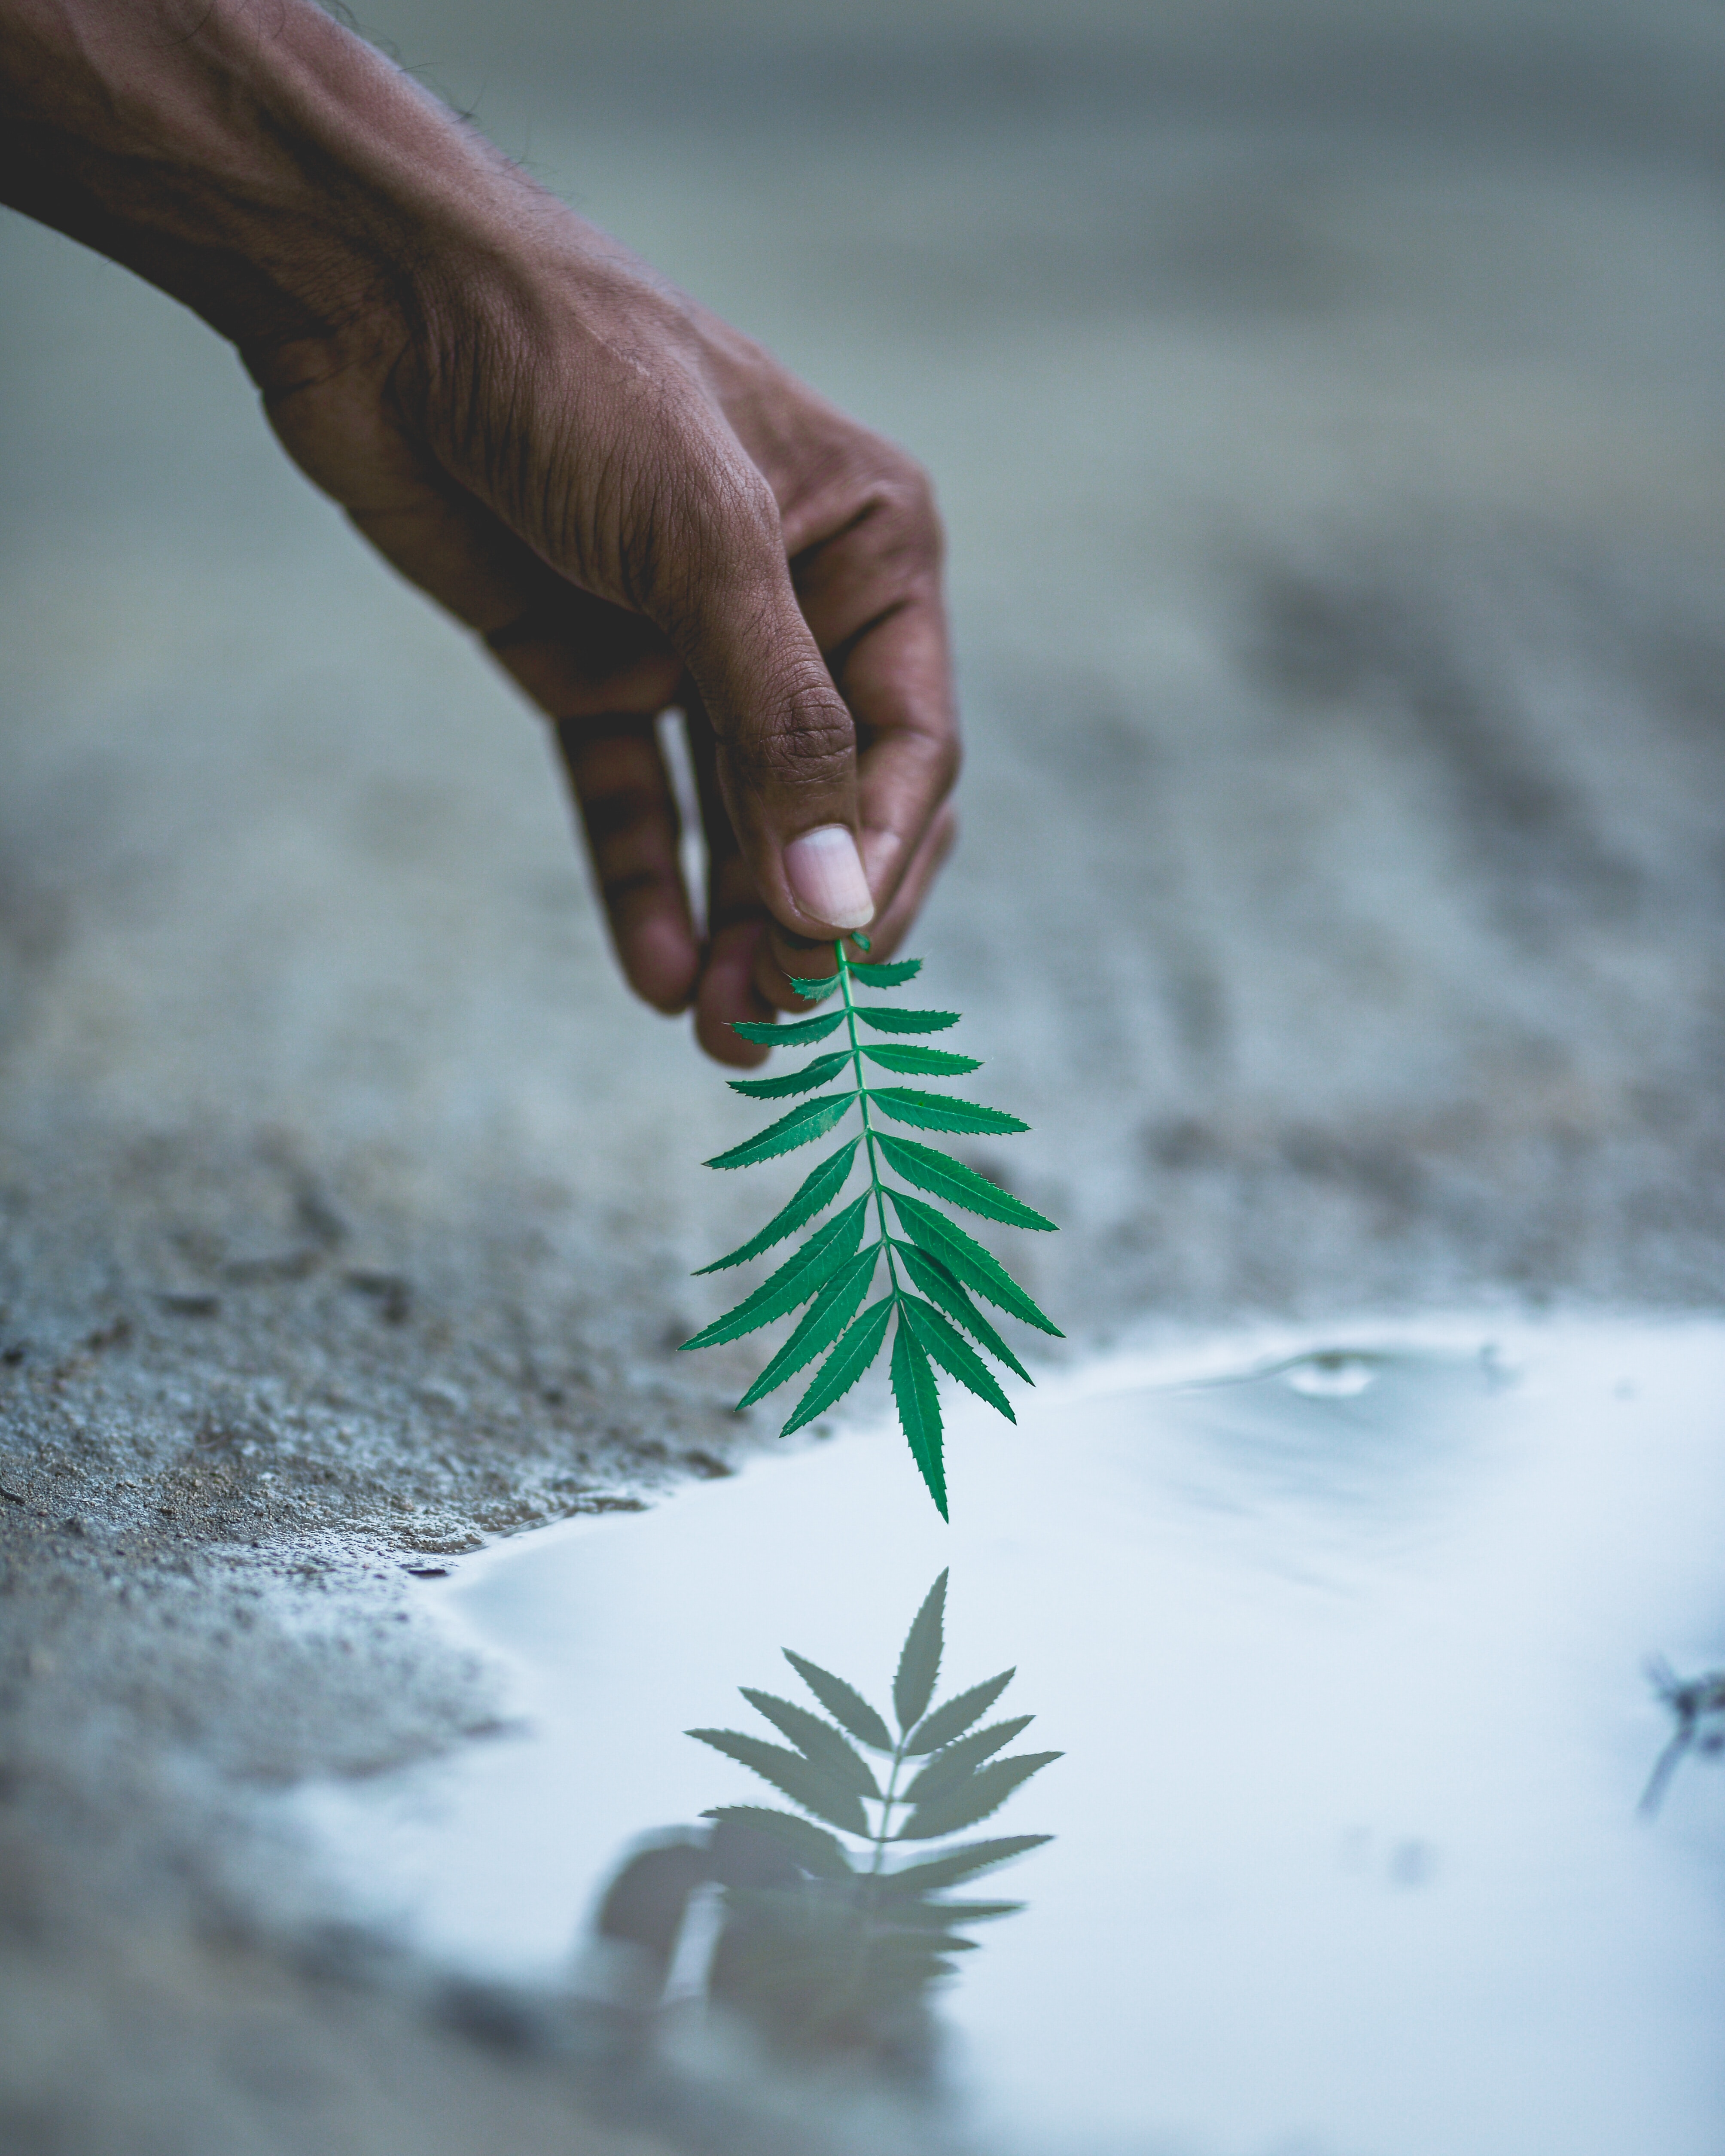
823, 1947
1697, 1705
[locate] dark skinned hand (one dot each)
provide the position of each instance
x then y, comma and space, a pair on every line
636, 507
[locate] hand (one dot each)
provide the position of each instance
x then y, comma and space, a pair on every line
637, 508
632, 505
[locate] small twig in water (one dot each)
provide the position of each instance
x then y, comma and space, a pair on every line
1694, 1703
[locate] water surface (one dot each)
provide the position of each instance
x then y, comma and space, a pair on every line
1344, 1642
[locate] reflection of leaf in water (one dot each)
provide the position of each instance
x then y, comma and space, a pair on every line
957, 1760
939, 1728
813, 1848
826, 1945
800, 1777
961, 1863
972, 1796
920, 1664
818, 1739
848, 1707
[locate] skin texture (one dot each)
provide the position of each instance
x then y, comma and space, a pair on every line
634, 506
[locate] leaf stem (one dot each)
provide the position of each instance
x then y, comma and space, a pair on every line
862, 1095
887, 1802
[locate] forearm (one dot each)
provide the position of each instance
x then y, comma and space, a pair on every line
250, 157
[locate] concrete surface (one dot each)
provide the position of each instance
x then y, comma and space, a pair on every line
1326, 404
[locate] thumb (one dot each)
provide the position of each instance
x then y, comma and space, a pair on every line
786, 745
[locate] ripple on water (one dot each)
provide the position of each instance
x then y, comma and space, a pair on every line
1344, 1642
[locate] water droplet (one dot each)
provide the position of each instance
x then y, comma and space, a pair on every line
1330, 1375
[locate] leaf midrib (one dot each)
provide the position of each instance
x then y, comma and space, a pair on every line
862, 1094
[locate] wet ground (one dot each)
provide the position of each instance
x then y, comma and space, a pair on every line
1328, 413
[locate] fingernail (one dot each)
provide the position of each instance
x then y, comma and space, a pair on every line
825, 873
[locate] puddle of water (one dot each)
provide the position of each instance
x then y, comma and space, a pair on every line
1344, 1646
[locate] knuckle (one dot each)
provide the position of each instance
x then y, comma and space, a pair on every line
618, 813
898, 520
610, 826
730, 514
812, 747
913, 492
904, 507
803, 738
628, 891
871, 502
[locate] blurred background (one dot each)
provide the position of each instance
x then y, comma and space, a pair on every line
1326, 404
1326, 400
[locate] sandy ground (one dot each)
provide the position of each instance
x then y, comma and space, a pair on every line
1327, 408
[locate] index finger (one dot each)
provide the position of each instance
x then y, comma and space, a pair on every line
897, 679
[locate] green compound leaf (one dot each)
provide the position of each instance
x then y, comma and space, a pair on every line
917, 1399
974, 1797
951, 1179
919, 1663
888, 1020
817, 1740
962, 1254
796, 1035
848, 1707
841, 1332
956, 1864
846, 1364
802, 1126
813, 1195
936, 1332
938, 1285
954, 1761
937, 1111
793, 1776
924, 1062
823, 1853
822, 1322
952, 1719
794, 1081
800, 1276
